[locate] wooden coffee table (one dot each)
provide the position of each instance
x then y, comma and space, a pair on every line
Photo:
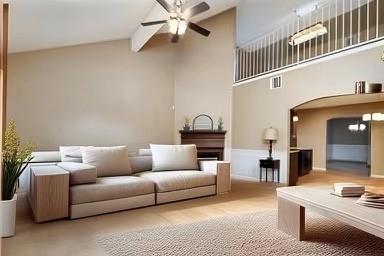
292, 202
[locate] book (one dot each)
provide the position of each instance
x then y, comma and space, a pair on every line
347, 195
371, 200
348, 189
347, 186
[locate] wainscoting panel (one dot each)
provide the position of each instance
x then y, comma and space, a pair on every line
246, 163
355, 153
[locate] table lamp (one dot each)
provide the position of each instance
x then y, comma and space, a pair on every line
271, 135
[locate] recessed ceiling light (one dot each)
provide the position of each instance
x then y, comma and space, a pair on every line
307, 9
367, 117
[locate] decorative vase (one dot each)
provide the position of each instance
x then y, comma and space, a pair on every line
8, 216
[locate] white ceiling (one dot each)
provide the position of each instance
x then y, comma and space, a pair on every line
43, 24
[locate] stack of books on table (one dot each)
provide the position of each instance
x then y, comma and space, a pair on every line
348, 189
372, 200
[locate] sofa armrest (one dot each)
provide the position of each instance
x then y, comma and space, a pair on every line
222, 170
79, 173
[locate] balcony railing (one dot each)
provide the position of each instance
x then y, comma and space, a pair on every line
350, 23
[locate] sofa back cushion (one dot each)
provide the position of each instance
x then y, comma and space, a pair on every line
144, 152
174, 157
70, 154
79, 173
109, 161
140, 163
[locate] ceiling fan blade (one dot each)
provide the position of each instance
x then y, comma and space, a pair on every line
199, 29
151, 23
195, 10
165, 5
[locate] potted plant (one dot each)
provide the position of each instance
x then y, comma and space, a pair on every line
187, 124
15, 160
220, 124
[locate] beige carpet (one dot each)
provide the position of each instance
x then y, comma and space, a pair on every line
251, 234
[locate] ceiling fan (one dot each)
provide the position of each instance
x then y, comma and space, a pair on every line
179, 19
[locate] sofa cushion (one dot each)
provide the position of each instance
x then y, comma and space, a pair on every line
70, 154
174, 157
141, 163
79, 173
109, 161
108, 188
178, 180
145, 152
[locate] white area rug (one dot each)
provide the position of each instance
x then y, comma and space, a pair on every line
251, 234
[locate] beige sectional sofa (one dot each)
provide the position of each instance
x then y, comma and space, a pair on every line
90, 194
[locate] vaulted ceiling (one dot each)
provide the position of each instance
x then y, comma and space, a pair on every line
258, 17
42, 24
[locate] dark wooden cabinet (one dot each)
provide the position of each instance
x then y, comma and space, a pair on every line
300, 164
293, 167
305, 161
210, 144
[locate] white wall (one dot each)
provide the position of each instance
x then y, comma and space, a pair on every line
354, 153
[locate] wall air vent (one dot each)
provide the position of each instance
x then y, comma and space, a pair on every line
276, 82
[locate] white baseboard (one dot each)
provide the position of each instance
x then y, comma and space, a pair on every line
377, 176
320, 169
247, 178
254, 179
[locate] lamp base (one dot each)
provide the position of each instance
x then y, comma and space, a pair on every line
270, 150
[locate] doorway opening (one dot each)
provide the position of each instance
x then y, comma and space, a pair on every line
348, 145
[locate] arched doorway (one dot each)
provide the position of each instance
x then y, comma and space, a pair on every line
309, 130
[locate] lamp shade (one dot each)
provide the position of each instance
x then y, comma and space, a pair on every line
271, 134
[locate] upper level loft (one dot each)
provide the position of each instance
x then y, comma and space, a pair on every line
331, 28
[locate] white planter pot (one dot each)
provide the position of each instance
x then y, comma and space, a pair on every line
8, 217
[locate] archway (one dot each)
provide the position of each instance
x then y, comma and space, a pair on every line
315, 139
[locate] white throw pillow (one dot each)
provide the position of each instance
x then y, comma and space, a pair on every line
109, 161
174, 157
145, 152
70, 154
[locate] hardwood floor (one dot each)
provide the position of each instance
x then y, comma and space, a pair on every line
76, 237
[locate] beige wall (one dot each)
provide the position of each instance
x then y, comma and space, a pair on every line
312, 127
94, 94
204, 73
104, 94
377, 149
256, 107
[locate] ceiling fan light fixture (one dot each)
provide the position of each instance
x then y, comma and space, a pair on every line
177, 26
173, 26
183, 25
179, 18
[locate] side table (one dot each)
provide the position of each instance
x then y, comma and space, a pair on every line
273, 164
49, 192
